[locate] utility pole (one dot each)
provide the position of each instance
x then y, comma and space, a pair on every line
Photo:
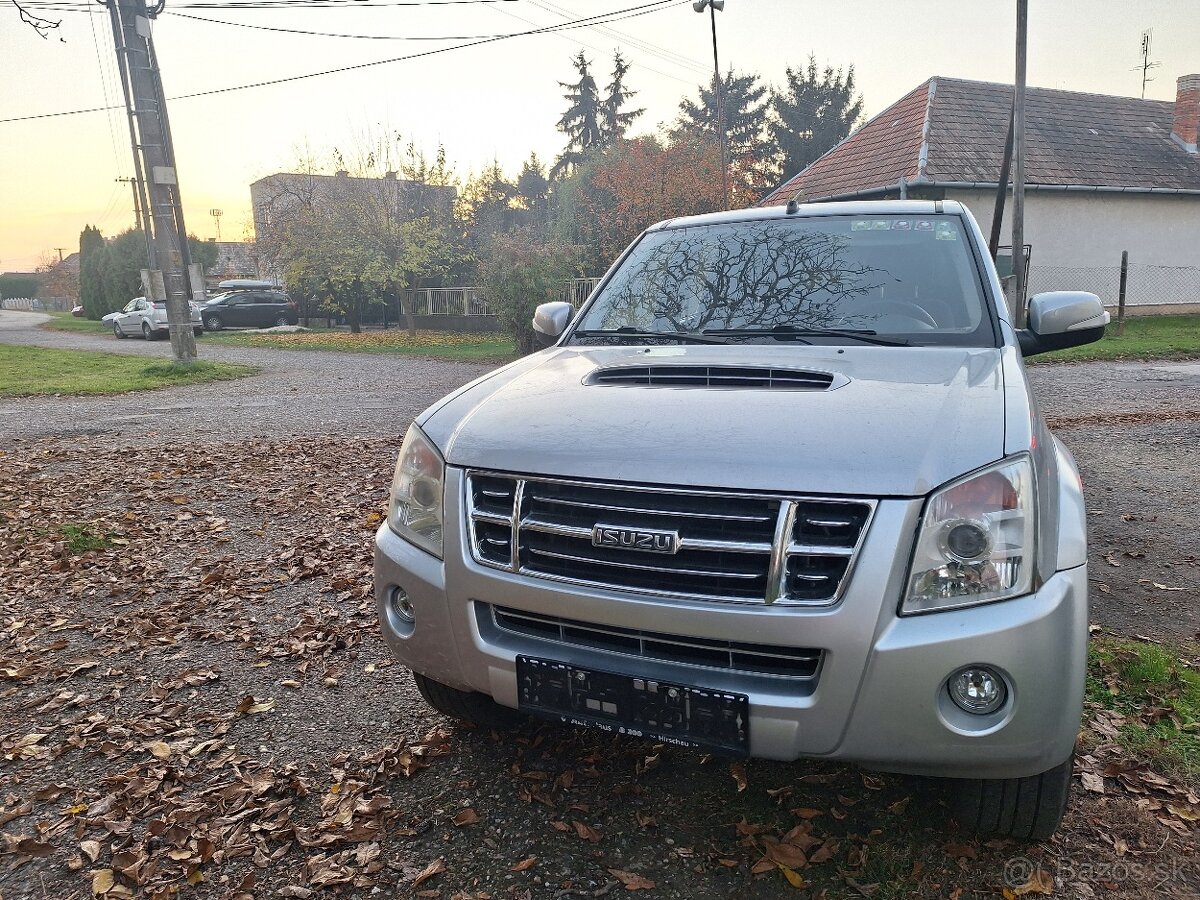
718, 91
60, 250
138, 221
156, 174
1018, 221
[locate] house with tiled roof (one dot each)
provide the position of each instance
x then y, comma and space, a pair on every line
1103, 174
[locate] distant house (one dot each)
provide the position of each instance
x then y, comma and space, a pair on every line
1103, 174
235, 259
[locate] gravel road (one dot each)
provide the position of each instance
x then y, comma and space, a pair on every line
199, 701
298, 393
1135, 429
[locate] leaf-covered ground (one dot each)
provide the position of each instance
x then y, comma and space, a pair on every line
194, 702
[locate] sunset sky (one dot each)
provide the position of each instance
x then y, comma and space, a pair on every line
496, 101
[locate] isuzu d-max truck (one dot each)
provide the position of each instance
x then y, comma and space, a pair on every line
780, 489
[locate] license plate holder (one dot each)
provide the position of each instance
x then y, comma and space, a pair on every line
634, 705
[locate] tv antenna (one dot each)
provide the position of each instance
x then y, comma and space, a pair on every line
216, 214
1147, 64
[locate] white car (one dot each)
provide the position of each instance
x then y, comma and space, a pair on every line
140, 316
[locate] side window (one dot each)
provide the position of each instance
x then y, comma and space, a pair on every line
265, 299
142, 305
236, 300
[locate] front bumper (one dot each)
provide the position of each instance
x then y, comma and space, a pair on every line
878, 700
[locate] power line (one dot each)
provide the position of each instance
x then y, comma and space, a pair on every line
596, 49
379, 37
628, 12
77, 5
666, 55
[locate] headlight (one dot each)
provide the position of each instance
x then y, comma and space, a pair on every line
976, 542
415, 506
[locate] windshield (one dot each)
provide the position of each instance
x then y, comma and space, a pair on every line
910, 277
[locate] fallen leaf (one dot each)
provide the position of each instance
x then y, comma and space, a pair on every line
586, 831
434, 868
91, 849
1040, 882
102, 882
632, 880
1092, 782
738, 771
465, 817
794, 878
961, 851
160, 749
528, 863
1187, 813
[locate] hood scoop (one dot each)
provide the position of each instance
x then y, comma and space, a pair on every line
752, 377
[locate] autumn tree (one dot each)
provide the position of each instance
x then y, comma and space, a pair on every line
377, 234
520, 271
59, 279
632, 185
813, 112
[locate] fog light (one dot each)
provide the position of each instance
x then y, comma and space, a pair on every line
401, 605
978, 690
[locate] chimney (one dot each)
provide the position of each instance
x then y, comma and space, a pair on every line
390, 175
342, 173
1187, 112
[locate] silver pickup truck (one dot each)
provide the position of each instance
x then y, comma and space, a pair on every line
780, 489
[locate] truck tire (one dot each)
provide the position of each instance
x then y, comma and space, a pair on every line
1028, 809
466, 705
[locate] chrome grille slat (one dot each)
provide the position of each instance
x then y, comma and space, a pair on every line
702, 573
733, 547
654, 512
763, 659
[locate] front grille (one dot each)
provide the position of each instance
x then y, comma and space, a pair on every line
762, 659
734, 547
715, 377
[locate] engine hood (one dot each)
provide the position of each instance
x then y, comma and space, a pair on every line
898, 421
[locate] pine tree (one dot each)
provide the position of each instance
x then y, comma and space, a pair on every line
533, 189
615, 118
581, 123
815, 111
746, 104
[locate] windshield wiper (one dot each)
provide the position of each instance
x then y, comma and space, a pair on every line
681, 336
791, 333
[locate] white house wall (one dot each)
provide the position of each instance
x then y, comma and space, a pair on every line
1077, 239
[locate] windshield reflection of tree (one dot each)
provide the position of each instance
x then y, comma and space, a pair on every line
750, 276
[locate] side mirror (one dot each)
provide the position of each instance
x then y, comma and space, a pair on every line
550, 321
1061, 319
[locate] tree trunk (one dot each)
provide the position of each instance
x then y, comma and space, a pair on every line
411, 296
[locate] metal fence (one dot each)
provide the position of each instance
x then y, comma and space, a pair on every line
1145, 285
580, 289
461, 301
468, 301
